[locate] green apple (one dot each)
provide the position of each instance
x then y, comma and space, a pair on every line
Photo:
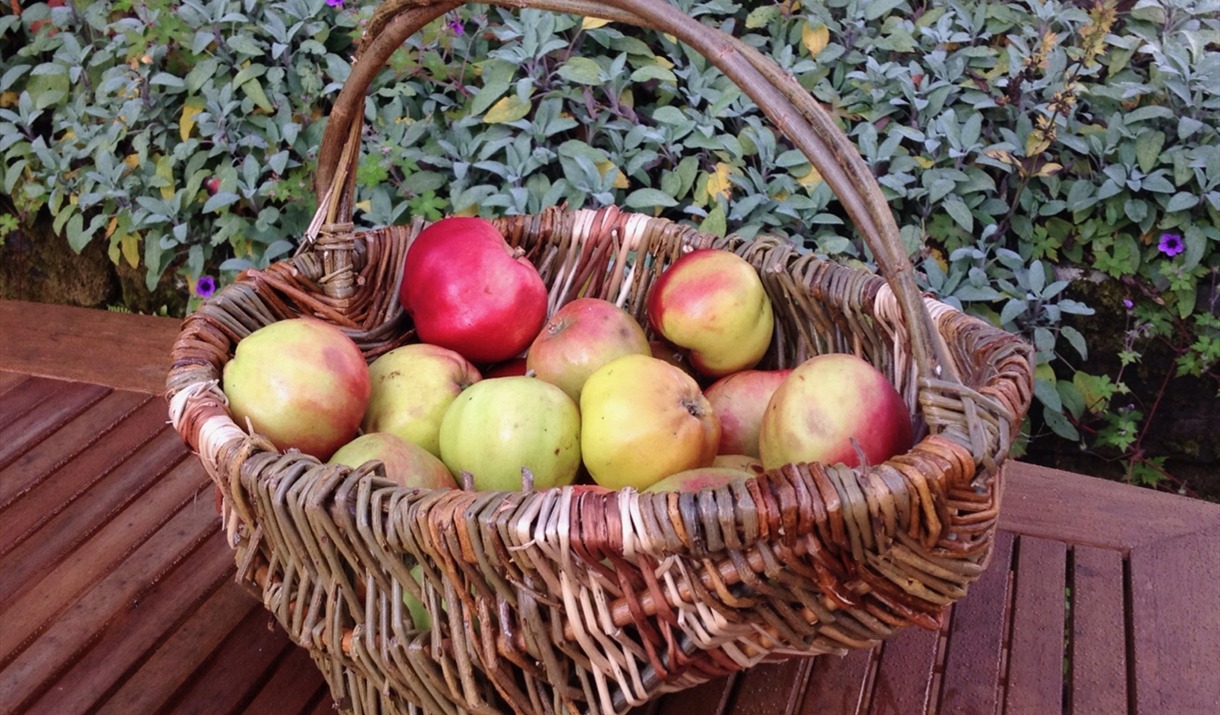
713, 303
407, 464
301, 383
642, 420
412, 386
499, 426
831, 409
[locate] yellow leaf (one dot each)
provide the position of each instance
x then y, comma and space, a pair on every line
669, 37
939, 256
718, 183
812, 179
508, 109
815, 40
186, 123
468, 211
1049, 168
165, 170
620, 181
1002, 155
790, 6
627, 98
1036, 143
74, 199
1046, 372
9, 99
592, 23
68, 136
924, 162
130, 245
114, 221
366, 205
132, 160
663, 62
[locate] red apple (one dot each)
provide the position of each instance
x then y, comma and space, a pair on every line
509, 368
467, 290
581, 337
713, 303
642, 420
740, 401
302, 383
828, 406
497, 427
405, 463
413, 385
692, 480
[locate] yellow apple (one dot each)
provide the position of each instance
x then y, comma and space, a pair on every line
829, 406
692, 480
742, 462
713, 303
643, 419
406, 463
412, 387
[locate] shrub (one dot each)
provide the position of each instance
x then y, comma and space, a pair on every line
1026, 148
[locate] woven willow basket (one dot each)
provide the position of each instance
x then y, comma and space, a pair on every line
575, 600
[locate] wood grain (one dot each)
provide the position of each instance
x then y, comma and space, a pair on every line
771, 688
46, 417
26, 396
904, 674
1099, 633
838, 685
1036, 655
290, 689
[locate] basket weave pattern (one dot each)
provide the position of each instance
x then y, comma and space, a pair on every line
578, 600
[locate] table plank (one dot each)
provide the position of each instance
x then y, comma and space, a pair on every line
1175, 589
1099, 633
712, 698
771, 688
287, 692
839, 685
26, 396
971, 679
46, 417
9, 380
904, 674
1036, 654
41, 460
120, 350
132, 637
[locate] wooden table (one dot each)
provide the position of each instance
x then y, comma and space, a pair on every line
116, 592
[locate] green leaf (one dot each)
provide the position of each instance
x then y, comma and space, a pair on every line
649, 199
1148, 149
12, 75
715, 222
1071, 398
1059, 424
957, 209
168, 80
254, 90
581, 70
760, 16
220, 200
200, 74
876, 8
77, 237
1152, 111
1187, 296
1047, 394
1076, 340
1012, 309
1188, 126
669, 115
1181, 201
649, 72
487, 94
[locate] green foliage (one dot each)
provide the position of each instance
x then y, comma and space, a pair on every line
1023, 146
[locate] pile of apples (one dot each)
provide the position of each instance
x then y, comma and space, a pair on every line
591, 396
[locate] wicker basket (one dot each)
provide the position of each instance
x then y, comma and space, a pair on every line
574, 600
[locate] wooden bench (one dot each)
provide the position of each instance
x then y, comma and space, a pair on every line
116, 591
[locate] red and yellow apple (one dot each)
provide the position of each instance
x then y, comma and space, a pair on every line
741, 462
499, 426
469, 291
692, 480
407, 464
828, 406
740, 400
713, 303
412, 386
301, 383
581, 337
642, 420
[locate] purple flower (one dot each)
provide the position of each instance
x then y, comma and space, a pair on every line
207, 285
1171, 244
455, 26
1128, 304
335, 3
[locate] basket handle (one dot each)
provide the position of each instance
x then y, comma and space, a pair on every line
788, 105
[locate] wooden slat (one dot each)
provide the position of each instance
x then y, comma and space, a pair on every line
711, 698
971, 678
771, 688
76, 626
838, 685
1175, 589
1076, 509
239, 667
26, 396
73, 438
904, 674
293, 689
1036, 654
1099, 633
132, 637
59, 538
46, 417
120, 350
185, 651
9, 380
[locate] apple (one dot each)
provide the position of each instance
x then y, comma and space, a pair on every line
740, 400
692, 480
642, 420
467, 290
413, 385
828, 406
419, 612
508, 368
713, 303
742, 462
407, 464
581, 337
499, 426
301, 383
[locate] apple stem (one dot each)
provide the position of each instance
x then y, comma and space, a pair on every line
527, 480
467, 480
693, 408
